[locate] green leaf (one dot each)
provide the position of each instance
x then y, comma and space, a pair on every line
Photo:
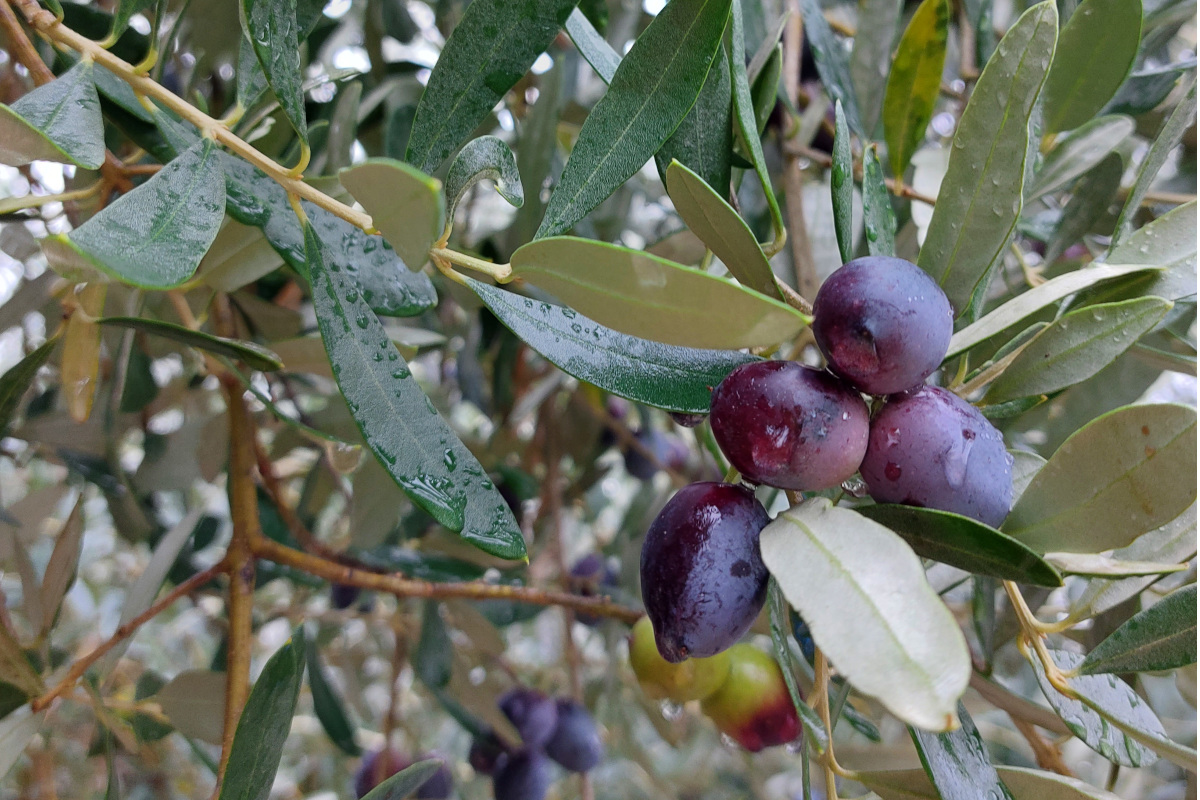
330, 709
255, 356
721, 229
264, 724
813, 726
485, 157
1136, 464
907, 650
1169, 137
677, 379
491, 48
1077, 346
1146, 88
980, 197
830, 58
1079, 152
16, 731
841, 184
406, 781
1096, 50
1036, 784
254, 199
914, 82
746, 125
405, 205
18, 379
1087, 205
879, 218
703, 142
434, 660
124, 12
958, 761
155, 236
398, 423
536, 151
1102, 700
764, 93
273, 31
653, 89
878, 21
1037, 298
1171, 543
238, 256
964, 543
15, 667
652, 298
1168, 242
1161, 637
592, 46
1101, 566
59, 121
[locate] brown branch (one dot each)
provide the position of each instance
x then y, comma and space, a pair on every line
124, 632
21, 48
1047, 755
406, 587
1018, 707
898, 188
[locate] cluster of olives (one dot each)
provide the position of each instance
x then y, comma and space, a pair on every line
883, 326
558, 729
379, 765
741, 689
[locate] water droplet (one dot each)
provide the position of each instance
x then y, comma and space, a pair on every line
450, 459
670, 711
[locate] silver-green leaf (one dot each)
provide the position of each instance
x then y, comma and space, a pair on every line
57, 122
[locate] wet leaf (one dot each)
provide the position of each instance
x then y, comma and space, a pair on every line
1101, 566
703, 142
485, 157
274, 34
652, 298
879, 218
405, 782
253, 355
398, 423
1135, 464
958, 762
59, 121
914, 82
1089, 202
907, 650
592, 46
1160, 637
1079, 152
17, 380
651, 92
329, 708
238, 256
1169, 243
830, 58
841, 183
871, 59
407, 207
677, 379
980, 197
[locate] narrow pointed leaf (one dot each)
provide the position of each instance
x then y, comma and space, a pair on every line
1161, 637
1168, 243
1037, 298
329, 708
16, 731
841, 572
703, 142
764, 92
485, 157
679, 379
405, 782
871, 59
1172, 543
1100, 566
155, 236
814, 728
592, 46
1076, 346
255, 356
59, 122
841, 184
412, 442
18, 379
832, 65
62, 567
1037, 784
15, 667
1169, 137
964, 543
1079, 152
1096, 50
746, 125
390, 289
124, 11
958, 761
238, 256
980, 197
491, 48
1083, 717
1136, 464
651, 92
194, 702
274, 34
721, 229
1089, 202
652, 298
914, 82
264, 724
879, 218
406, 206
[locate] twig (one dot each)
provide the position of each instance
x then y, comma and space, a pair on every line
804, 267
80, 667
22, 49
1018, 707
821, 694
1047, 755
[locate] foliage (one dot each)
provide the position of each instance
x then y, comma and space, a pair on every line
291, 391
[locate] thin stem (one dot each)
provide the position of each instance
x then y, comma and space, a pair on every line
80, 667
405, 587
38, 200
1033, 635
22, 49
502, 273
821, 694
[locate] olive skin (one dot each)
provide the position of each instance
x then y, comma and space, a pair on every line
691, 679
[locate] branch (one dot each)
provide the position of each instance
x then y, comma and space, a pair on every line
80, 667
